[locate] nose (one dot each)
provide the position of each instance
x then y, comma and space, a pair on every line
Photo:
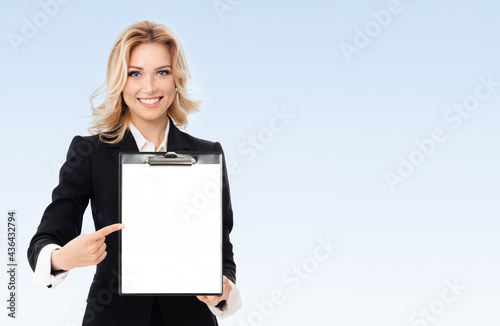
149, 85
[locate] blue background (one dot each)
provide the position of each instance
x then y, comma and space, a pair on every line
356, 117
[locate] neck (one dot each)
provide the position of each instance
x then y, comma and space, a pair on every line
153, 131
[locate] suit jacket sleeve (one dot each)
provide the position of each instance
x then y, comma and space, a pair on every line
228, 265
62, 220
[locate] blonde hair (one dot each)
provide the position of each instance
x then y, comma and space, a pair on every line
112, 117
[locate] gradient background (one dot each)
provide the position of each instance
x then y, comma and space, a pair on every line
321, 176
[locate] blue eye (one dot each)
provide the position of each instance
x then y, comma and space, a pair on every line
163, 73
134, 74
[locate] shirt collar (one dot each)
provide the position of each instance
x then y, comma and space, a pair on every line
146, 146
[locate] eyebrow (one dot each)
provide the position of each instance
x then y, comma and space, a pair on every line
139, 68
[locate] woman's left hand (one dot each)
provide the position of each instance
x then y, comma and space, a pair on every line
213, 300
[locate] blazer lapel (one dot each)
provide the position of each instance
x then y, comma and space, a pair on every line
127, 144
175, 142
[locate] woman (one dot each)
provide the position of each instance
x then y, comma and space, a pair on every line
145, 100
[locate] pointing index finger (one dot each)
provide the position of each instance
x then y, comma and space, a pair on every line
109, 229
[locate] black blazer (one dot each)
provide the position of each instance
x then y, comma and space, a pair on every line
91, 172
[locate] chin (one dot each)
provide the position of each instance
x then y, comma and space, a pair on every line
153, 118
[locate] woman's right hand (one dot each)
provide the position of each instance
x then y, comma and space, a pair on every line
84, 250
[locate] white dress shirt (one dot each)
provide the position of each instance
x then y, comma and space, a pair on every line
43, 269
145, 145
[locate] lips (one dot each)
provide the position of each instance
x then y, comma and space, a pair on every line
150, 101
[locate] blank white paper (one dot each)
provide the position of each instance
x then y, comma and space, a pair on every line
172, 241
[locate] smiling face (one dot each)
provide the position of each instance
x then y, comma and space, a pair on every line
150, 86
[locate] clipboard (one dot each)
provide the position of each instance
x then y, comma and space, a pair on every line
171, 205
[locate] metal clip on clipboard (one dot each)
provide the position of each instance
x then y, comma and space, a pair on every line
171, 158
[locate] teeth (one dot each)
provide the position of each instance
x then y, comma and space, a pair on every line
149, 101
